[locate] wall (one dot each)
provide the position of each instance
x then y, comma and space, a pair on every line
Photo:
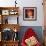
35, 3
26, 3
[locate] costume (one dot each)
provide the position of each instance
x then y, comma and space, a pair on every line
30, 39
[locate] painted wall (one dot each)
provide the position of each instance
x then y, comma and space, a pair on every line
26, 3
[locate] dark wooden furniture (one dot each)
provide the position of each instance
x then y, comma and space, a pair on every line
0, 43
11, 26
10, 43
4, 13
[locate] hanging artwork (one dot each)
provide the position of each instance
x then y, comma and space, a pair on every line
5, 12
30, 13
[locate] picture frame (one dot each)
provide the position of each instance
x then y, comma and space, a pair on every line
30, 13
5, 12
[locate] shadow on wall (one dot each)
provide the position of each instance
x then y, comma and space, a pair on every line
37, 29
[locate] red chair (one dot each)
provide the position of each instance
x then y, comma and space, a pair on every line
29, 33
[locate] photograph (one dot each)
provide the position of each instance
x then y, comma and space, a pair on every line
30, 13
5, 12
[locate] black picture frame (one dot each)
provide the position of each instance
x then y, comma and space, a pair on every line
29, 13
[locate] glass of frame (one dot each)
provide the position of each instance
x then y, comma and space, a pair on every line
5, 12
30, 13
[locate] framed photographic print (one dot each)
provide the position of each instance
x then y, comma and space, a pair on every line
30, 13
5, 12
